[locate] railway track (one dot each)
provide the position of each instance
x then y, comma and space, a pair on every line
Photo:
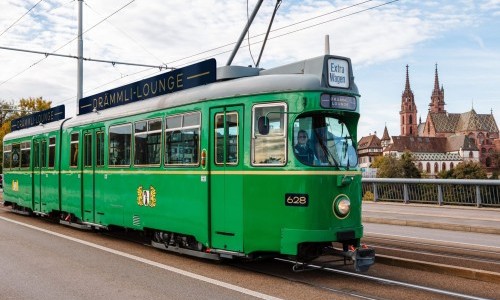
346, 283
378, 283
460, 260
352, 284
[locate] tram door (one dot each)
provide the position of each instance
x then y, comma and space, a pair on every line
92, 158
226, 179
39, 164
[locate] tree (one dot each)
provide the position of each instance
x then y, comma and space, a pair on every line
495, 159
392, 167
408, 166
388, 167
465, 170
10, 111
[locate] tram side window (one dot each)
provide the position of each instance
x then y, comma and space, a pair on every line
74, 150
87, 150
36, 153
120, 138
52, 152
147, 142
7, 151
43, 154
182, 142
269, 149
100, 148
16, 155
25, 154
226, 134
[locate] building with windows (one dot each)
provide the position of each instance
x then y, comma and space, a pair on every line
369, 147
440, 142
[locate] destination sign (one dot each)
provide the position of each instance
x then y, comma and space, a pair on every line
42, 117
338, 73
338, 102
179, 79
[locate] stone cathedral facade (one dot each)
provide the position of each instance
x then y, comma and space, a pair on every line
440, 142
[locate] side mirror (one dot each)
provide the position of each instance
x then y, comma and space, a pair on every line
263, 125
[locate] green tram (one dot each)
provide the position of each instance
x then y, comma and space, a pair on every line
252, 163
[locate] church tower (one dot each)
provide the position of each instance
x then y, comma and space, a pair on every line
408, 113
386, 139
437, 97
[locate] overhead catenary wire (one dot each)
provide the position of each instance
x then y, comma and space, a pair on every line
19, 19
284, 34
72, 98
87, 58
300, 22
274, 30
53, 53
248, 37
29, 11
128, 36
187, 57
75, 57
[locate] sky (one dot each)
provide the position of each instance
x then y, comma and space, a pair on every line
461, 37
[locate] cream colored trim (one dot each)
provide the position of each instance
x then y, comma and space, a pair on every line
204, 172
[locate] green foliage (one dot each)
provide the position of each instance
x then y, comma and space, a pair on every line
387, 167
391, 167
495, 159
409, 168
443, 174
465, 170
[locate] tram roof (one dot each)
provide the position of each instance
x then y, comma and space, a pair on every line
231, 82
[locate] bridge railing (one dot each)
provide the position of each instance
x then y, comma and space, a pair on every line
471, 192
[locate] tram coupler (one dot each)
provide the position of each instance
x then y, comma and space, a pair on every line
363, 257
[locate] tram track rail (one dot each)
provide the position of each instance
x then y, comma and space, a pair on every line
361, 294
337, 269
465, 262
326, 283
388, 281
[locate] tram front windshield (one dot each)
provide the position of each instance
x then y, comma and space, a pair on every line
323, 141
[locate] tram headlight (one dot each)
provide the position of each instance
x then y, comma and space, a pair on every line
341, 206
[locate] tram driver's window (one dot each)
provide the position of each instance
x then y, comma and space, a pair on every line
269, 149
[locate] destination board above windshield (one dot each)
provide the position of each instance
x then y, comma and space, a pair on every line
179, 79
339, 102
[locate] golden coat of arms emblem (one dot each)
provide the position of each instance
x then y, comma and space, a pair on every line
146, 197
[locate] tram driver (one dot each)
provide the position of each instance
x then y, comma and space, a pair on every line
302, 149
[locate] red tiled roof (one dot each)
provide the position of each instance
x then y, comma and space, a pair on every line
371, 141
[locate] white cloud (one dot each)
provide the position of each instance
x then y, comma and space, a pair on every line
380, 42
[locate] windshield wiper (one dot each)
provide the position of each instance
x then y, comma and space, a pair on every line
325, 149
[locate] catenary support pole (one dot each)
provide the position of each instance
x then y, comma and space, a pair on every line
79, 80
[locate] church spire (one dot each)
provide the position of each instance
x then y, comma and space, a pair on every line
407, 86
436, 79
386, 139
437, 97
408, 113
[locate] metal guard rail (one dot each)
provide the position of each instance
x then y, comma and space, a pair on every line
470, 192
